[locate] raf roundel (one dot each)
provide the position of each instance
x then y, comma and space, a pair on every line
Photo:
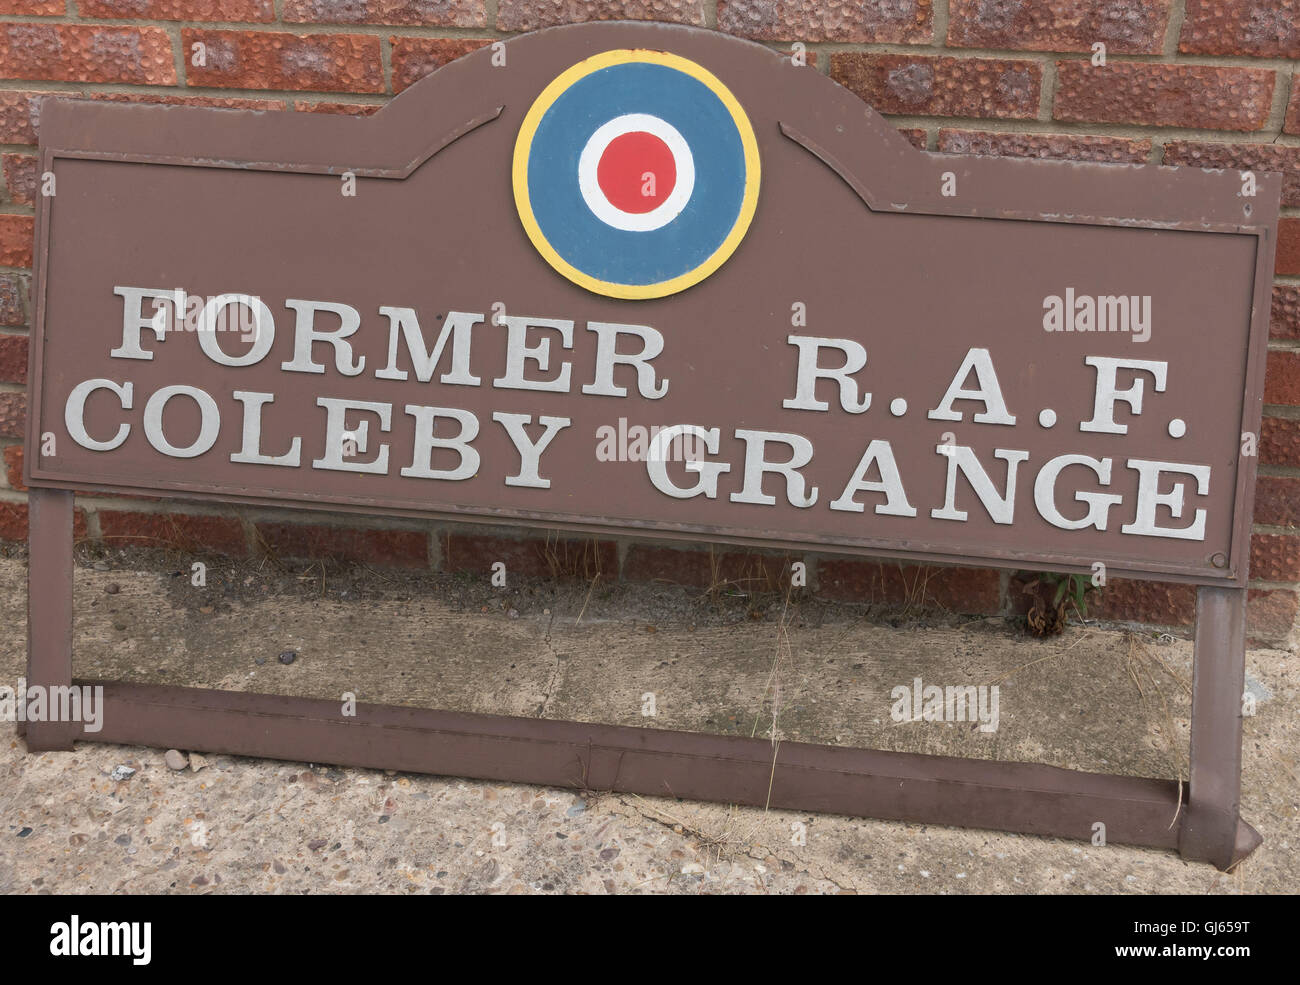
636, 174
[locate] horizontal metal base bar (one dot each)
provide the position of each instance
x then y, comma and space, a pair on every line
1021, 797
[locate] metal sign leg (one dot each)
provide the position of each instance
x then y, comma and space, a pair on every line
1213, 830
49, 610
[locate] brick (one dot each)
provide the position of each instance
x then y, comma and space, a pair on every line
916, 136
13, 414
971, 590
13, 358
185, 531
1155, 602
1258, 28
1270, 615
246, 11
1279, 442
752, 572
87, 53
279, 60
1132, 27
1277, 500
13, 465
13, 455
16, 232
1215, 97
1284, 318
652, 563
338, 109
1292, 122
1242, 157
13, 522
940, 86
1287, 263
303, 541
13, 294
1018, 599
1282, 378
898, 22
34, 8
414, 58
1274, 557
442, 13
746, 571
20, 178
19, 115
1054, 146
527, 15
533, 557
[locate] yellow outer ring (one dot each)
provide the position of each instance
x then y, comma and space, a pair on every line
523, 144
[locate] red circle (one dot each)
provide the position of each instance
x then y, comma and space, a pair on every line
637, 172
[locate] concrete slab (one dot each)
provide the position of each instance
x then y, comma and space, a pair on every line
796, 669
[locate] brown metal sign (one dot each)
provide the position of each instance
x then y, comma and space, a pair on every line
644, 279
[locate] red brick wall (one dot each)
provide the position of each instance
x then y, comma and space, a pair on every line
1198, 82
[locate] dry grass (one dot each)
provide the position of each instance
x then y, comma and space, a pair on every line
729, 839
1142, 662
566, 558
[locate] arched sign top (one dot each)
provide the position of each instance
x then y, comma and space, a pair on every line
636, 173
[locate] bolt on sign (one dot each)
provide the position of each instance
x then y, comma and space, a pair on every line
456, 307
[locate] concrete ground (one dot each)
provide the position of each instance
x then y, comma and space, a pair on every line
725, 661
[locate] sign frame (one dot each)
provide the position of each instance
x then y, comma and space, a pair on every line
1200, 819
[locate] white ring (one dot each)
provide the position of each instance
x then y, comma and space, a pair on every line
606, 211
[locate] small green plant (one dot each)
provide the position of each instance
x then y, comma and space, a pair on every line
1073, 587
1052, 593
